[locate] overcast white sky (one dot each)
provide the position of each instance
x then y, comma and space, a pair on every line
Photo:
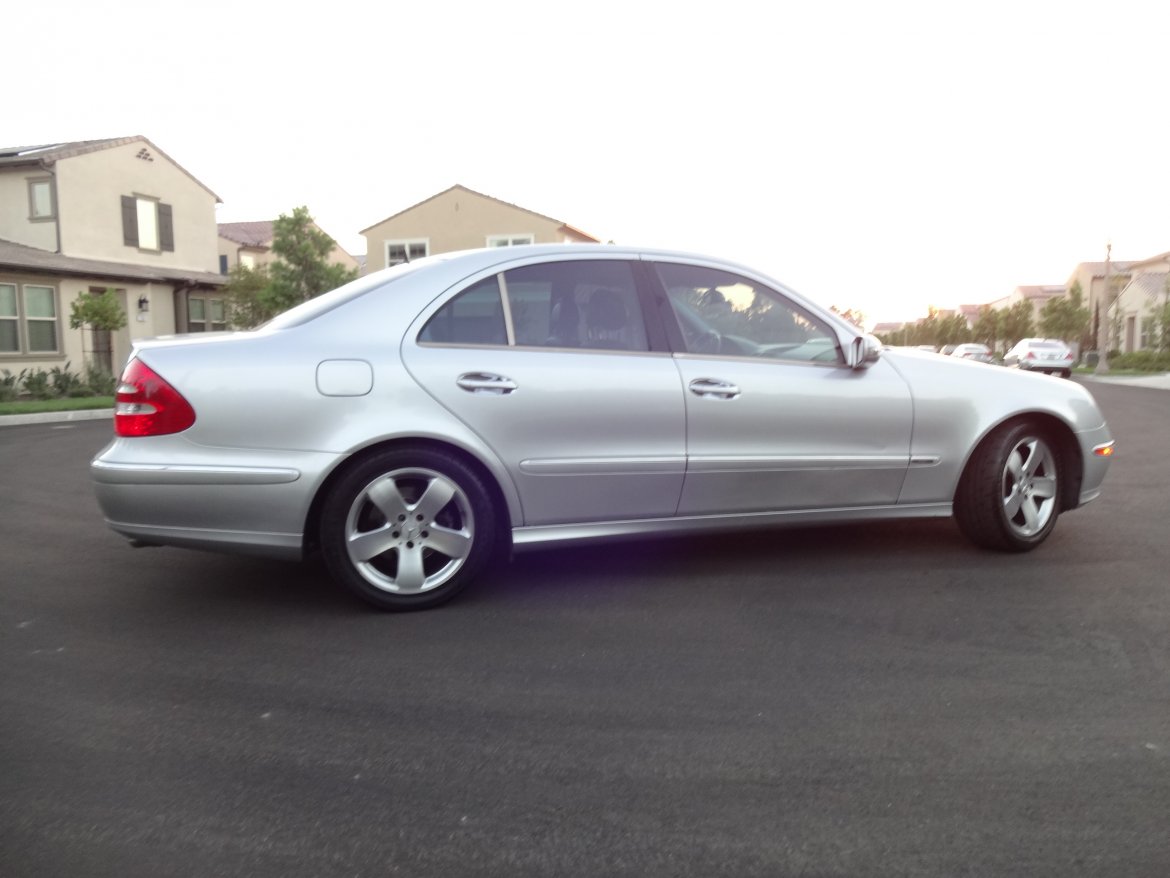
886, 156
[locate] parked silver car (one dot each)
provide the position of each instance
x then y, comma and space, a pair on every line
1048, 355
980, 353
416, 424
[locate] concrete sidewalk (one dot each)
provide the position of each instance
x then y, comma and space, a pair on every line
1160, 381
59, 417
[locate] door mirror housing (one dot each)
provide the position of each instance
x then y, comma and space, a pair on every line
864, 351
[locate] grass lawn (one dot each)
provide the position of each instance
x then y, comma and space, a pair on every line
37, 406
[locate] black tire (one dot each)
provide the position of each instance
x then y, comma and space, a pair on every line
408, 528
1009, 496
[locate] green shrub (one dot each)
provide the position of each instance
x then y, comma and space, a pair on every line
99, 382
36, 384
1142, 361
66, 383
9, 386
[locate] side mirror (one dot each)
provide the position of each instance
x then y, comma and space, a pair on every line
864, 351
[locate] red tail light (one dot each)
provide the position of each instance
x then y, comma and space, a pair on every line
146, 405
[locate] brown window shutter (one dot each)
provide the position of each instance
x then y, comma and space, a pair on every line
129, 221
166, 228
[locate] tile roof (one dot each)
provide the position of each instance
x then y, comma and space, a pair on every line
1042, 291
49, 153
1151, 284
254, 234
13, 255
1098, 268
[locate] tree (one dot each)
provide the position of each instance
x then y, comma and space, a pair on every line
1066, 317
1017, 322
851, 314
986, 329
101, 313
246, 297
940, 329
303, 269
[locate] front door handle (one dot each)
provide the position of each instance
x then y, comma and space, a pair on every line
486, 382
713, 388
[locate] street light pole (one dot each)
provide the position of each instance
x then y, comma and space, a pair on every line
1103, 320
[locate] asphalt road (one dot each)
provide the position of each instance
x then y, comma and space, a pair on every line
849, 701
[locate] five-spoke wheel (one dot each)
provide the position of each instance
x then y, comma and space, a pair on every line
407, 528
1009, 496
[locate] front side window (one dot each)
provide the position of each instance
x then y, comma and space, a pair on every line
398, 252
723, 314
28, 319
40, 199
588, 304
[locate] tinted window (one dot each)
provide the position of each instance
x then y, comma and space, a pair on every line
556, 304
475, 316
591, 304
725, 314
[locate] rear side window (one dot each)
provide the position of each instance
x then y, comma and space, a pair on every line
589, 304
475, 316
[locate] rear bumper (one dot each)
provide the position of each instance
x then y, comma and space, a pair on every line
257, 503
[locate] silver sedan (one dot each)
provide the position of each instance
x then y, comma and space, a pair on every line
419, 423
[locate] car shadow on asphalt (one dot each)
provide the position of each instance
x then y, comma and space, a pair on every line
902, 549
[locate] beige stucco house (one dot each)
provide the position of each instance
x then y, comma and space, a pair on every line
79, 218
461, 219
1133, 311
1036, 295
1091, 276
250, 244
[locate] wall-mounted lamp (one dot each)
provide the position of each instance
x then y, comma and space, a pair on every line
143, 304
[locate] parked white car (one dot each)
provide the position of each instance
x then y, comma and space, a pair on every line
980, 353
1049, 355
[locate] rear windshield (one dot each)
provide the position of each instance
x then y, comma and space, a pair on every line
315, 307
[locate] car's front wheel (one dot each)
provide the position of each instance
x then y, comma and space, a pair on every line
407, 528
1009, 495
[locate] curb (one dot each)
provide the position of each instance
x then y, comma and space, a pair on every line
1158, 381
56, 417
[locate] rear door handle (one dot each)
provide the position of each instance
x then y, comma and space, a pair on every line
713, 388
486, 382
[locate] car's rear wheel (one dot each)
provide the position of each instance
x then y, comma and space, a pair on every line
1009, 496
407, 528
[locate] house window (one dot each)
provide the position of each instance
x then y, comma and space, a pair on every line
223, 263
147, 224
205, 315
40, 199
248, 260
510, 240
9, 320
28, 319
406, 251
